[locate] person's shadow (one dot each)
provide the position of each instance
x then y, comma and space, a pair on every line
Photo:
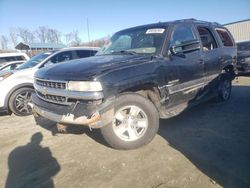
32, 165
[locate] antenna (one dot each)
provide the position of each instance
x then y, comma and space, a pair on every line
88, 30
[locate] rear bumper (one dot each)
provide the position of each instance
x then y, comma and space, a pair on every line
92, 115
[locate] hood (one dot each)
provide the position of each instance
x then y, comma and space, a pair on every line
88, 68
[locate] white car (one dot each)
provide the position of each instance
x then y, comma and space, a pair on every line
17, 86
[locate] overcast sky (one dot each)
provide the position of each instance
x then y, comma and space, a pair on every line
108, 16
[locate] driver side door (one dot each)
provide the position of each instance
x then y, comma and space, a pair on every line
189, 65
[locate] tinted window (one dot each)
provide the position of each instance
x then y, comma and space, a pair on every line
11, 58
63, 56
85, 53
207, 39
225, 38
182, 34
243, 46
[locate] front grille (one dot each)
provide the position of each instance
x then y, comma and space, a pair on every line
51, 84
53, 98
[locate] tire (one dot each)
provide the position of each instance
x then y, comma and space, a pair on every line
19, 101
136, 122
224, 89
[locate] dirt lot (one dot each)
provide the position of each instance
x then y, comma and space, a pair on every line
207, 146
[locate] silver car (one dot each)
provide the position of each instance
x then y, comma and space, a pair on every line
16, 86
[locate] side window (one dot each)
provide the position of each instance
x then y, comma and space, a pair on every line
19, 58
207, 39
182, 34
63, 56
6, 68
84, 53
11, 58
225, 37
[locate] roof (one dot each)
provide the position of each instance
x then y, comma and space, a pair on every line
237, 22
23, 46
10, 54
82, 48
164, 24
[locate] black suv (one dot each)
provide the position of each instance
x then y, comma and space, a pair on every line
243, 59
145, 73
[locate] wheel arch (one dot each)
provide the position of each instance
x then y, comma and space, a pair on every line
229, 70
147, 90
29, 85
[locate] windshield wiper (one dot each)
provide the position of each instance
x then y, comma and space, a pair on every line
126, 52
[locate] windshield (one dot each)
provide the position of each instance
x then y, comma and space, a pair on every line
35, 60
136, 41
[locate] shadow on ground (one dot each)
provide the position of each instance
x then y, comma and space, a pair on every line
32, 165
215, 138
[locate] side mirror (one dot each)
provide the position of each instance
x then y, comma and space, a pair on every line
185, 47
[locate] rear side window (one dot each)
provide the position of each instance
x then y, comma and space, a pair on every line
85, 53
207, 39
225, 37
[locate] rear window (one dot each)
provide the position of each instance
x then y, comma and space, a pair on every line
243, 46
225, 37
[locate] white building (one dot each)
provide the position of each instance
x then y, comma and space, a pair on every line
240, 30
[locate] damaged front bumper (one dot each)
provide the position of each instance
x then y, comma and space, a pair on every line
90, 113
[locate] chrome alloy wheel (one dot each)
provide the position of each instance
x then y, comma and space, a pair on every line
130, 123
23, 101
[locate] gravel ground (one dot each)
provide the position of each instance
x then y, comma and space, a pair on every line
206, 146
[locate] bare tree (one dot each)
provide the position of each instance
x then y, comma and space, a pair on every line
73, 38
46, 34
4, 42
26, 35
41, 34
13, 36
53, 36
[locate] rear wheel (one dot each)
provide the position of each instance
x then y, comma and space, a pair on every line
224, 89
135, 122
20, 101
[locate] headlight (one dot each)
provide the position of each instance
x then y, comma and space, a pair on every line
84, 86
5, 75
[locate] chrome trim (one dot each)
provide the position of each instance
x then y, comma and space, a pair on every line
53, 101
44, 80
69, 94
190, 86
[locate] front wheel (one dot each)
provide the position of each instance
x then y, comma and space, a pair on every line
135, 123
20, 100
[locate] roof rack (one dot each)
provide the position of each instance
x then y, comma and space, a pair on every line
216, 23
184, 20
